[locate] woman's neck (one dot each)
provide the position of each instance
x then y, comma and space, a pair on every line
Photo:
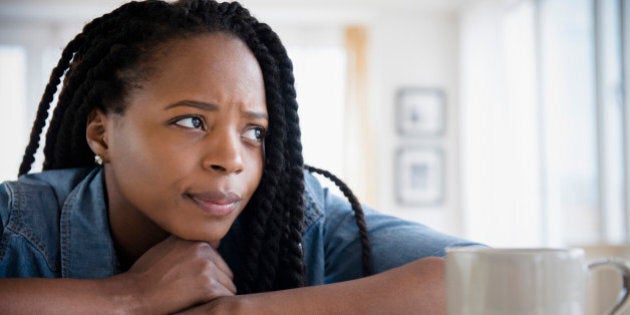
133, 232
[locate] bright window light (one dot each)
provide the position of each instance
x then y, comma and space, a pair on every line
320, 76
12, 98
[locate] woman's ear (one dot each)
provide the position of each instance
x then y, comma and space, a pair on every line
96, 133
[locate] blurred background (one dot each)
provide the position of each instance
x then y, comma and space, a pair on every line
500, 121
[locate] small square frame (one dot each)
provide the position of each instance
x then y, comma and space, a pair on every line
420, 176
421, 111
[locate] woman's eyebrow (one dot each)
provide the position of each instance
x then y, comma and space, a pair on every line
213, 107
255, 115
195, 104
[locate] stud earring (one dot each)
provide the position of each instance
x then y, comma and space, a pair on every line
98, 159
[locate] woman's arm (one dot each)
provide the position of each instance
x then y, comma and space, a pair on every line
414, 288
171, 276
68, 296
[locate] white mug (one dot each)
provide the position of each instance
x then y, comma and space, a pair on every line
487, 281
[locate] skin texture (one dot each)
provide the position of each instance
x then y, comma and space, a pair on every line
161, 152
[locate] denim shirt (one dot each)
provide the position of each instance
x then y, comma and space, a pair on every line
55, 224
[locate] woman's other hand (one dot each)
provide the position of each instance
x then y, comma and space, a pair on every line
177, 274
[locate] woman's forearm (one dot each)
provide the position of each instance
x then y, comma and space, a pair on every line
415, 288
173, 275
66, 296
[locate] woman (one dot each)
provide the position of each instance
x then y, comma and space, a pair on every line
173, 179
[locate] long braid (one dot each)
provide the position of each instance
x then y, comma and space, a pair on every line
366, 251
44, 104
293, 256
292, 210
270, 244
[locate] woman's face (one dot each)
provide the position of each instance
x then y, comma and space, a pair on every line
187, 153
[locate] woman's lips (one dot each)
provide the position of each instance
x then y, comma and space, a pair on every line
216, 203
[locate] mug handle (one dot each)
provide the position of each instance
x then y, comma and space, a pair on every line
623, 268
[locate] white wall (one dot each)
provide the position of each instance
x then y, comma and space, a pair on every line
415, 49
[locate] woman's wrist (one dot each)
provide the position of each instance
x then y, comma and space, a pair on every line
124, 296
227, 305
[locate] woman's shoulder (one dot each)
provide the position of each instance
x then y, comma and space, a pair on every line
338, 218
323, 205
44, 189
59, 179
30, 211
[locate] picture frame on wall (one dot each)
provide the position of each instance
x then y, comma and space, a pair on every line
421, 112
420, 176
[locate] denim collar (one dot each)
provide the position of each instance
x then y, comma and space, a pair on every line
84, 228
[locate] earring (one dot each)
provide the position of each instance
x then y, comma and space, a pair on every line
98, 159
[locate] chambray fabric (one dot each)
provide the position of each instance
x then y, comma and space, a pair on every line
55, 224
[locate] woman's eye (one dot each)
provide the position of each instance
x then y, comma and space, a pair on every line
190, 122
255, 134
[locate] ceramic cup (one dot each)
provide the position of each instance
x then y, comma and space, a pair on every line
487, 281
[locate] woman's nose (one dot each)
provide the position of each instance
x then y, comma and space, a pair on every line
225, 154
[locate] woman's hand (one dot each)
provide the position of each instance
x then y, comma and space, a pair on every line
177, 274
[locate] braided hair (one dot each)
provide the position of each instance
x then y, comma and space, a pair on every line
105, 61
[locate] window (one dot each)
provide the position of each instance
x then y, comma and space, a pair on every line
610, 103
568, 96
13, 100
581, 92
320, 78
544, 129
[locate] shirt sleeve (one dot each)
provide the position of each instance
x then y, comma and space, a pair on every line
394, 241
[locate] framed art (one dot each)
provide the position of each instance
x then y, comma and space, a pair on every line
421, 112
420, 176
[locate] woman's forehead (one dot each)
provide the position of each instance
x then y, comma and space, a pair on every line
215, 67
198, 53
